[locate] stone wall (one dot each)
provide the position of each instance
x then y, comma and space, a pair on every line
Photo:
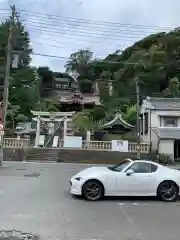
96, 157
70, 155
11, 154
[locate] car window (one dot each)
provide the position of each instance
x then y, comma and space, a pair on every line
141, 167
153, 168
120, 167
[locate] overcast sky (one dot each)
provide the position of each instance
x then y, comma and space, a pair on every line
106, 25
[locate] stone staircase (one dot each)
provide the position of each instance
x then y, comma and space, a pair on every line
42, 155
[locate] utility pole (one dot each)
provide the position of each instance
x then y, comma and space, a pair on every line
137, 117
6, 77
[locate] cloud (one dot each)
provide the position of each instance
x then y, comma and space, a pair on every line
60, 36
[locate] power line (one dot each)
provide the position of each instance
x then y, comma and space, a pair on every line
66, 58
77, 38
83, 34
100, 36
56, 17
84, 29
99, 61
85, 26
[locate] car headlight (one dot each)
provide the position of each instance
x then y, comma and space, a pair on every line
78, 178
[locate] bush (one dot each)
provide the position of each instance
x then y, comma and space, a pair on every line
21, 118
164, 159
98, 113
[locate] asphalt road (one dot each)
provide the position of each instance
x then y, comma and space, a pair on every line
39, 202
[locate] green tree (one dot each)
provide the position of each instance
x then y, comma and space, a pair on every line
80, 63
47, 105
22, 90
21, 118
153, 60
97, 113
130, 115
45, 81
81, 122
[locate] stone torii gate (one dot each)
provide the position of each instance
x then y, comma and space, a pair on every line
51, 117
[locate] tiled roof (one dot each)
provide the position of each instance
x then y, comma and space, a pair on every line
25, 127
85, 99
118, 120
167, 133
165, 103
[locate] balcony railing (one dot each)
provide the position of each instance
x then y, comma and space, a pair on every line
107, 145
94, 145
16, 143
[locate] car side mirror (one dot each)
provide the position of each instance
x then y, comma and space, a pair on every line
129, 172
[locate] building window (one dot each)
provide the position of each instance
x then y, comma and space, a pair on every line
169, 122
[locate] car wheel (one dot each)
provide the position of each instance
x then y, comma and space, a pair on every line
93, 190
168, 191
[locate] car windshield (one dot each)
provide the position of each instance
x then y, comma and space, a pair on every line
120, 167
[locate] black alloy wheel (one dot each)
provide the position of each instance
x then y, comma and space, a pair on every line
168, 191
93, 190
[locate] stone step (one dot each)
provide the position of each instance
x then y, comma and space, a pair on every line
42, 154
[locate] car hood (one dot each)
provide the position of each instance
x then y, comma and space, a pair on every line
92, 171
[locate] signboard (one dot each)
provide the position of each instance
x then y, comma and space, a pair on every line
41, 140
72, 142
120, 145
55, 141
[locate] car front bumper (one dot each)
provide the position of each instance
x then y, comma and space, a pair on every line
75, 187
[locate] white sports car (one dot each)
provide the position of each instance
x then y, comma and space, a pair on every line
129, 178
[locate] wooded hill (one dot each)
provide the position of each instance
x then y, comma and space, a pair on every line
155, 61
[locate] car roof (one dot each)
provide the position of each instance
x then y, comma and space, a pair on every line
146, 161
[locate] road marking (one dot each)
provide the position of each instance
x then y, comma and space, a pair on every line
121, 204
22, 216
133, 204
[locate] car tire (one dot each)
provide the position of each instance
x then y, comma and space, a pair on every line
168, 191
93, 190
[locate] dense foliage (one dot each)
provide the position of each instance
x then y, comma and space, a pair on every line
155, 61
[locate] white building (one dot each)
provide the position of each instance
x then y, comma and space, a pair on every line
160, 125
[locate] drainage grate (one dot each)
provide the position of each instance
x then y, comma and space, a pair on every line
35, 175
17, 235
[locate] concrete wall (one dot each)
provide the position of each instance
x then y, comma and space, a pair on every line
154, 119
11, 154
167, 147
